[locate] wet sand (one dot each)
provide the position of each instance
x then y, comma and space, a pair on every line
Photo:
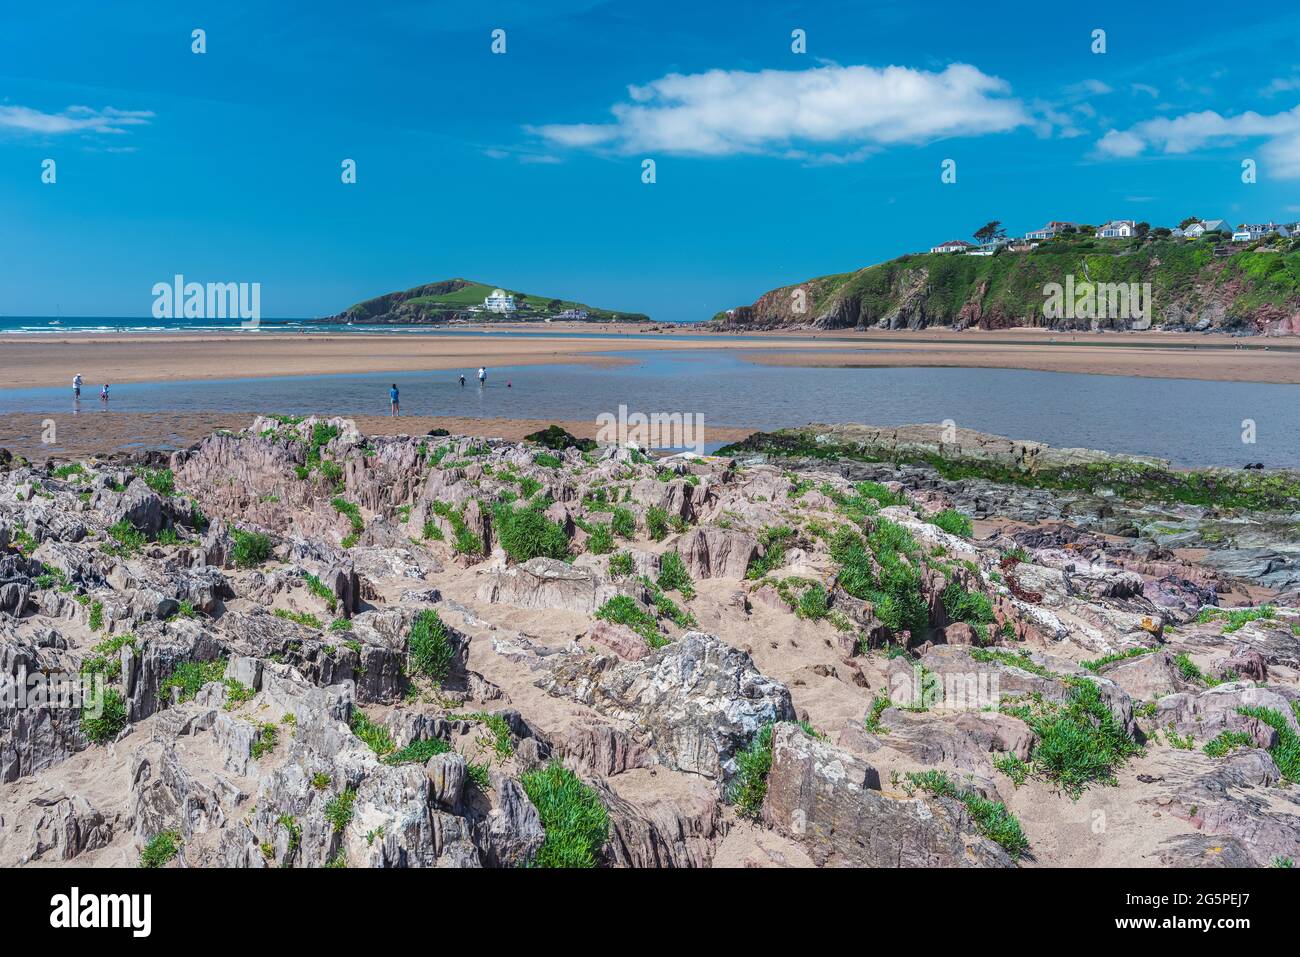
1277, 365
96, 433
166, 357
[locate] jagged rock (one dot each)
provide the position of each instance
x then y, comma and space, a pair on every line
1147, 677
662, 833
698, 699
968, 740
1200, 850
548, 583
829, 801
1225, 800
950, 677
142, 507
61, 827
166, 795
620, 639
447, 773
343, 583
717, 552
601, 748
1204, 714
512, 832
37, 735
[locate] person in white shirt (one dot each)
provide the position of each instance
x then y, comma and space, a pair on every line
76, 386
482, 376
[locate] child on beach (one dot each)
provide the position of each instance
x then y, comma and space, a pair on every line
103, 393
462, 380
392, 398
76, 386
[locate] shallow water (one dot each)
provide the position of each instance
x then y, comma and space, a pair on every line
1188, 421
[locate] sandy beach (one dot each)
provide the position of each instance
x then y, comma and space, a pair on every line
32, 362
95, 433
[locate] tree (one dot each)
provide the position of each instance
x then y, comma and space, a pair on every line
1142, 229
1161, 232
990, 231
1188, 221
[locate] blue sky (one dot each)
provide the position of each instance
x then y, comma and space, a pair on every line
524, 169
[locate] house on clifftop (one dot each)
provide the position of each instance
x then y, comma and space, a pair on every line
951, 246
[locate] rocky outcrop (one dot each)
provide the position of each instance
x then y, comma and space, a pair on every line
717, 552
697, 700
272, 703
830, 802
547, 583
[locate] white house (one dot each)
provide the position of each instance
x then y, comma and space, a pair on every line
951, 246
1196, 230
499, 301
1055, 227
1249, 232
987, 249
1117, 229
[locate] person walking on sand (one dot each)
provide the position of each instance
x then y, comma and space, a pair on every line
76, 386
482, 376
392, 398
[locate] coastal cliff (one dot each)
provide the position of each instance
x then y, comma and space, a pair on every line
1194, 286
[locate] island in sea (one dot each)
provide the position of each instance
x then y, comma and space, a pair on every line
464, 300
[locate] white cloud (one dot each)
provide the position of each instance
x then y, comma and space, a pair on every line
785, 112
75, 119
1191, 131
1089, 87
1282, 85
1146, 88
1115, 143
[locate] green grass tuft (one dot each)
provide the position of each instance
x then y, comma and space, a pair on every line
162, 847
576, 823
430, 647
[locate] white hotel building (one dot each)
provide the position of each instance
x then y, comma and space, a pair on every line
499, 301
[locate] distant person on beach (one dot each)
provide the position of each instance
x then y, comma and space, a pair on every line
462, 380
392, 398
482, 376
76, 386
103, 393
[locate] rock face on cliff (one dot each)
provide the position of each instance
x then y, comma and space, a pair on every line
299, 646
1181, 285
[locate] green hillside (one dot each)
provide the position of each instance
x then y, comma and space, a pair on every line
1202, 284
453, 298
